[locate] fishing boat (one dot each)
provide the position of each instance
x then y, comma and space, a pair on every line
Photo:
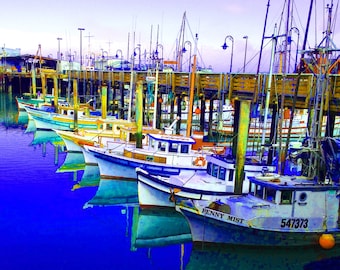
108, 131
216, 181
165, 154
50, 120
27, 100
111, 134
278, 211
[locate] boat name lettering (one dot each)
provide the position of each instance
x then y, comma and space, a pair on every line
221, 215
294, 223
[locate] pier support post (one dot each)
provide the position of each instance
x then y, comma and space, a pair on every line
179, 114
211, 109
104, 101
75, 103
56, 92
237, 112
241, 144
139, 114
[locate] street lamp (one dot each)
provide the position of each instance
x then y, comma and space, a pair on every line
157, 53
58, 62
135, 54
104, 53
245, 54
121, 57
184, 50
81, 48
289, 40
59, 38
225, 46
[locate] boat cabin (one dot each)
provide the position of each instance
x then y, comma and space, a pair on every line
170, 143
298, 196
222, 167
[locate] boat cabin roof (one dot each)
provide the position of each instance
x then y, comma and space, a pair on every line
291, 183
172, 138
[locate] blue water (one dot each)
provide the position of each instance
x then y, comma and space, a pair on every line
44, 224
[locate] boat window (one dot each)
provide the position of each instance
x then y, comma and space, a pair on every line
286, 197
222, 173
259, 191
269, 194
231, 175
209, 168
214, 171
173, 147
152, 143
162, 146
184, 148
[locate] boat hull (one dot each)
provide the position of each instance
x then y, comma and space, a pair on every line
117, 166
212, 231
157, 191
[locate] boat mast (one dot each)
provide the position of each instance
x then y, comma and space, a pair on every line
192, 89
180, 44
131, 79
269, 84
263, 37
300, 70
317, 107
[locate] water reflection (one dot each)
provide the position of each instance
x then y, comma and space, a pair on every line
161, 227
241, 257
115, 192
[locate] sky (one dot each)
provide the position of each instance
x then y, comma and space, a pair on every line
110, 25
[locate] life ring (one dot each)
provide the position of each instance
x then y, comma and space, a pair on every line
200, 161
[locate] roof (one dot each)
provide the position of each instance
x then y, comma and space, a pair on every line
293, 183
172, 138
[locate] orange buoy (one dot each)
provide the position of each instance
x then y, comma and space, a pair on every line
327, 241
197, 110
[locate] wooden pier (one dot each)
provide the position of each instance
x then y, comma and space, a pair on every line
208, 86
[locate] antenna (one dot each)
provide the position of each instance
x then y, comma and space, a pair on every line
89, 44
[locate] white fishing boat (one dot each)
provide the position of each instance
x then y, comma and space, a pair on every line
110, 134
163, 155
51, 120
107, 132
279, 211
28, 100
216, 181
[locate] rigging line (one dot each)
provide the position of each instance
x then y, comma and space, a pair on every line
297, 85
335, 17
263, 36
194, 37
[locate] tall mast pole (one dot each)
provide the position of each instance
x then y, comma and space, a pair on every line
192, 89
300, 69
263, 37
